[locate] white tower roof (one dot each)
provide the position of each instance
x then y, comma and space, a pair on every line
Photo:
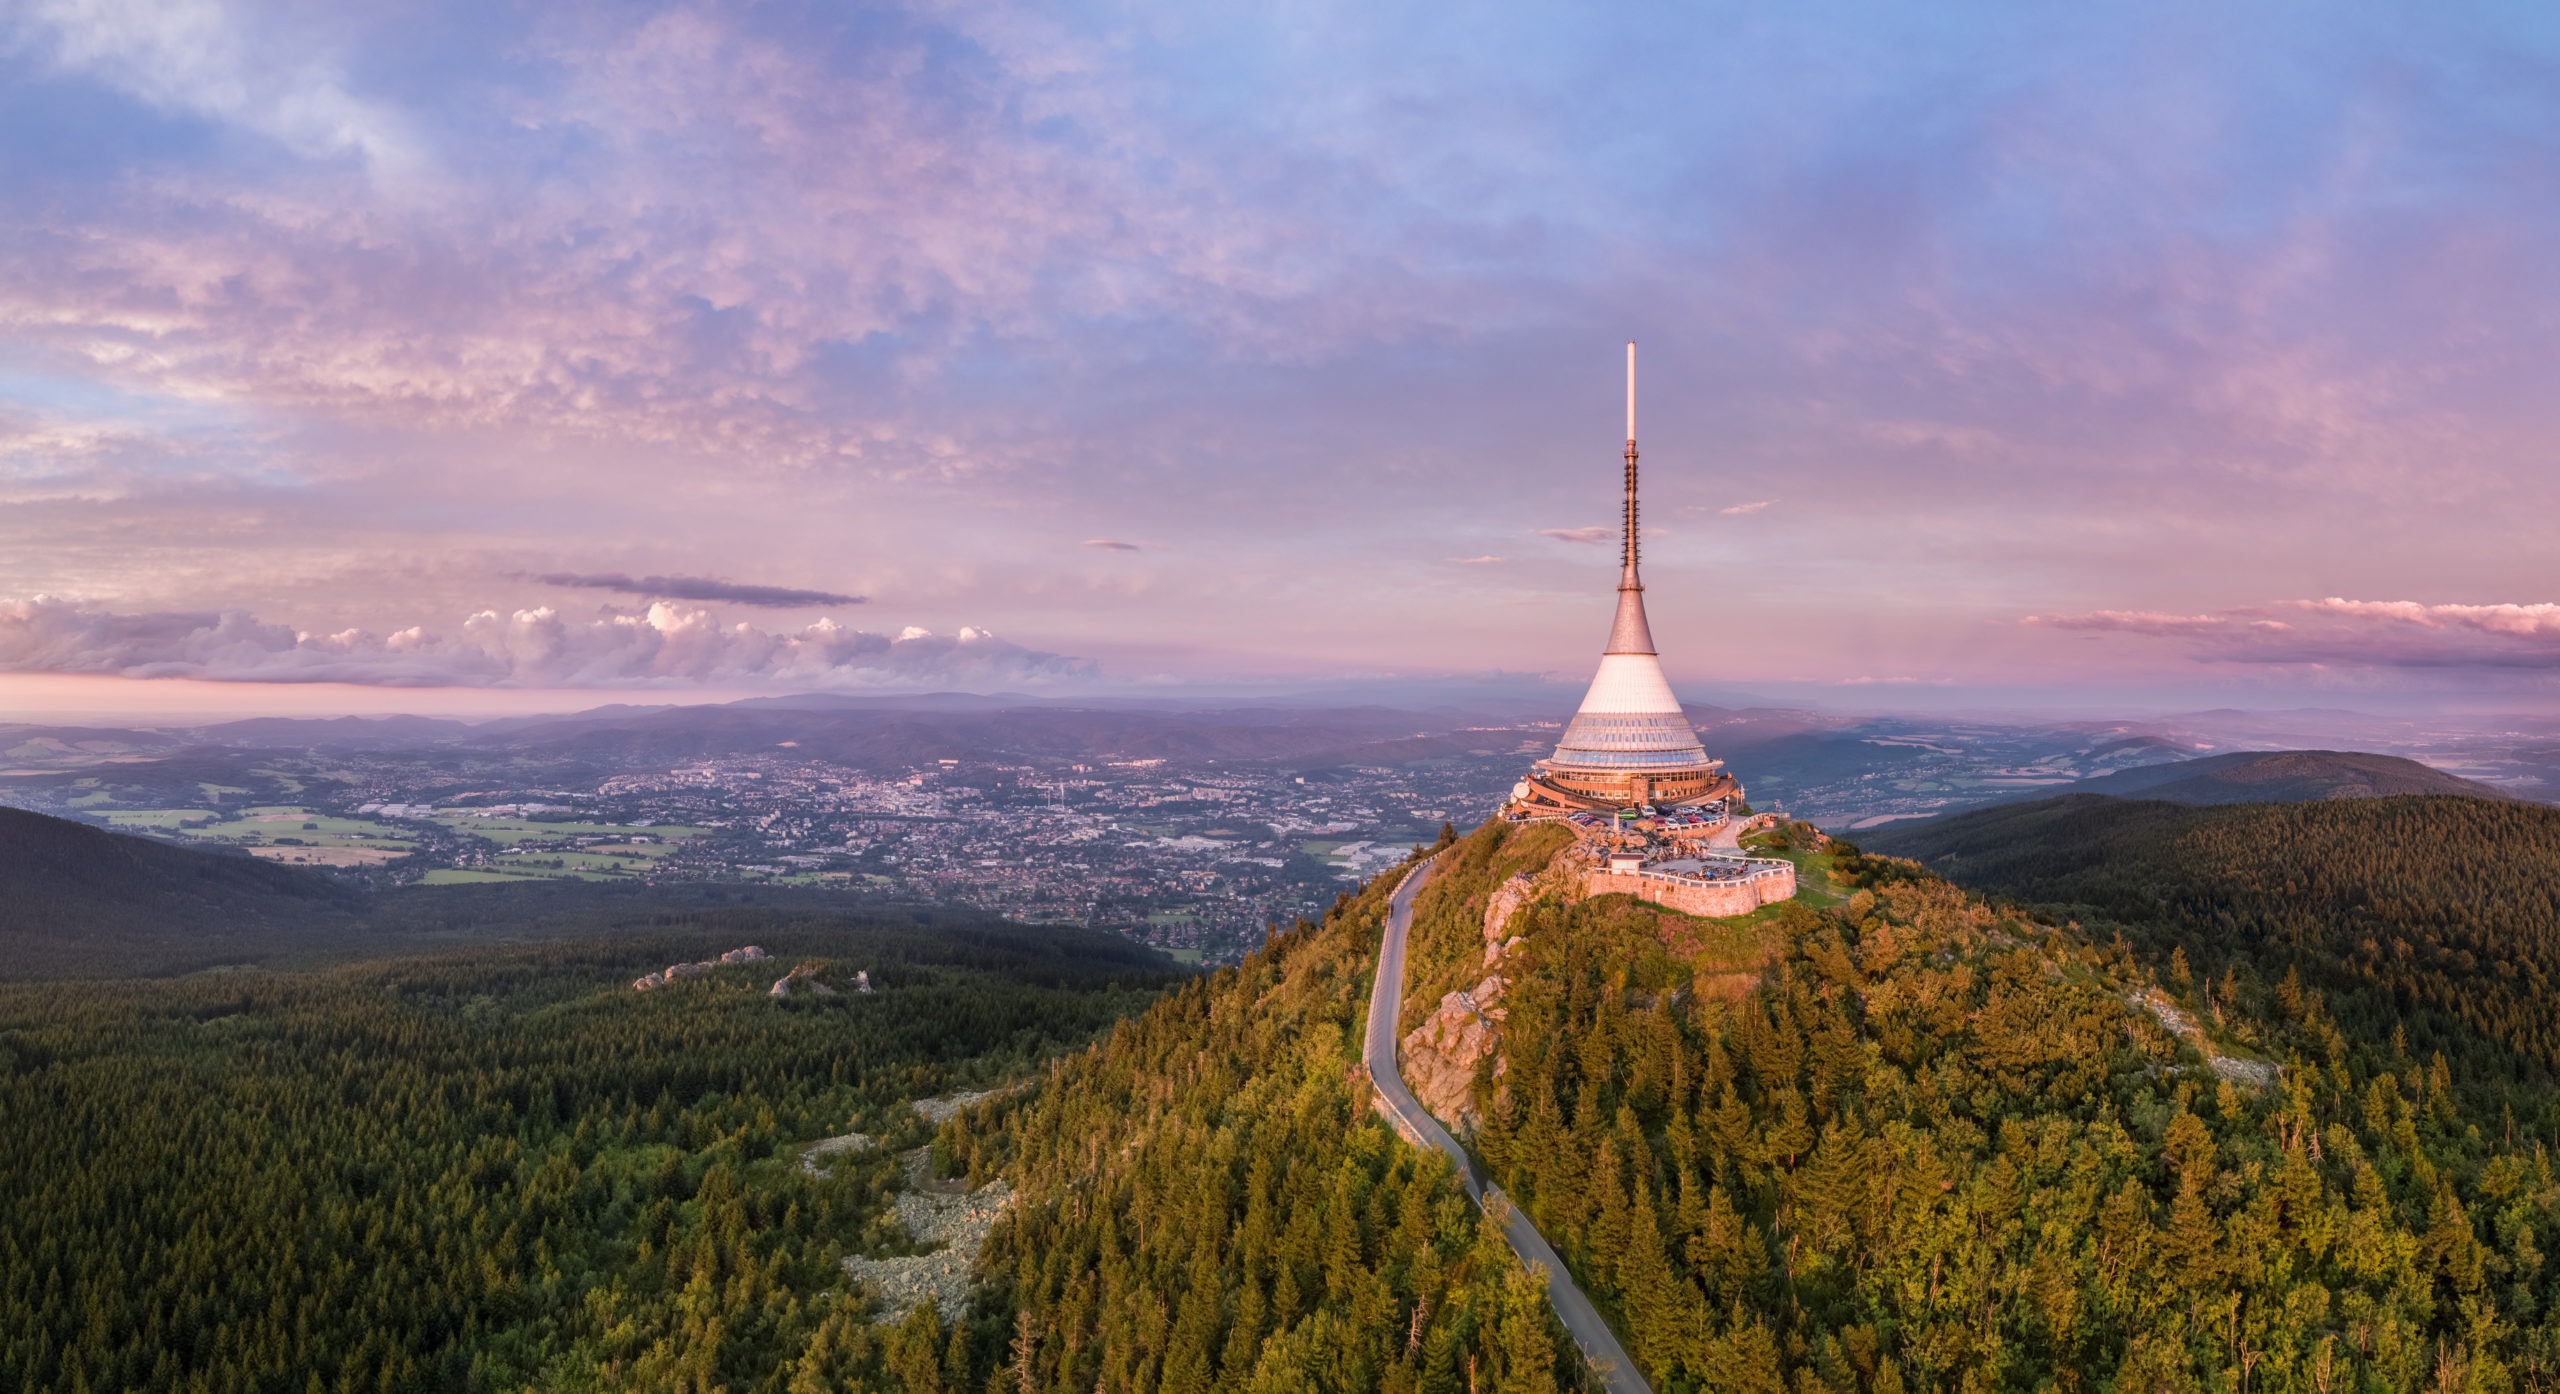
1629, 721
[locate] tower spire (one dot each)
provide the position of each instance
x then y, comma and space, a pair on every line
1628, 632
1631, 548
1630, 743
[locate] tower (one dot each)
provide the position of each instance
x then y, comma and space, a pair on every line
1629, 743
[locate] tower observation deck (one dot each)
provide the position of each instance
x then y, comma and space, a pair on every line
1629, 743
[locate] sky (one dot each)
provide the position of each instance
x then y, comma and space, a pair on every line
434, 355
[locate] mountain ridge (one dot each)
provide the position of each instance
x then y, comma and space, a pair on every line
2276, 776
75, 893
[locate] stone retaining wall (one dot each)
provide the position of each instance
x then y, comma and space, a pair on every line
1710, 899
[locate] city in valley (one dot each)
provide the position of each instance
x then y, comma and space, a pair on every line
1197, 856
1194, 831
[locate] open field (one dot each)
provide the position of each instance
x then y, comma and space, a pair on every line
583, 860
161, 819
277, 832
510, 831
328, 856
467, 876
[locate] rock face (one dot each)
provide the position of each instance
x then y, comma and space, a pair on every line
2257, 1074
1441, 1055
802, 979
1506, 901
678, 972
813, 1158
943, 1109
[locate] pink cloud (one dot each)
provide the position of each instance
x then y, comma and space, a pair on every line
2128, 622
2524, 621
2335, 632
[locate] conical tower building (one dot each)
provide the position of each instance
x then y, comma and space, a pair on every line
1630, 743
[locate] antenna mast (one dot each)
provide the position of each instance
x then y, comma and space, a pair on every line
1630, 550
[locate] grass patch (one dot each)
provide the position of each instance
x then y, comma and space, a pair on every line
160, 819
508, 832
276, 825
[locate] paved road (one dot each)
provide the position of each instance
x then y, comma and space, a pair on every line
1600, 1350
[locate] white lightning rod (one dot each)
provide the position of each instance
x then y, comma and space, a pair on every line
1631, 389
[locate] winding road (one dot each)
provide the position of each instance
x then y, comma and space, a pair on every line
1601, 1352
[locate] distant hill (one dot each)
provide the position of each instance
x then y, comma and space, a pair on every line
71, 893
81, 902
2278, 776
2416, 912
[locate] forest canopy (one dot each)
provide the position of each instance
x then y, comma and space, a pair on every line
499, 1167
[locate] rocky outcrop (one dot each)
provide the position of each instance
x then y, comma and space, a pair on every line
2257, 1074
803, 979
678, 972
949, 1106
813, 1158
1507, 900
949, 1219
1440, 1056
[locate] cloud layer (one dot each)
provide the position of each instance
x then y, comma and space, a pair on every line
668, 646
2335, 632
696, 588
338, 315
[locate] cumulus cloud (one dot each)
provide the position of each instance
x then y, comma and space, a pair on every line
696, 588
2538, 620
2337, 632
1599, 534
669, 646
